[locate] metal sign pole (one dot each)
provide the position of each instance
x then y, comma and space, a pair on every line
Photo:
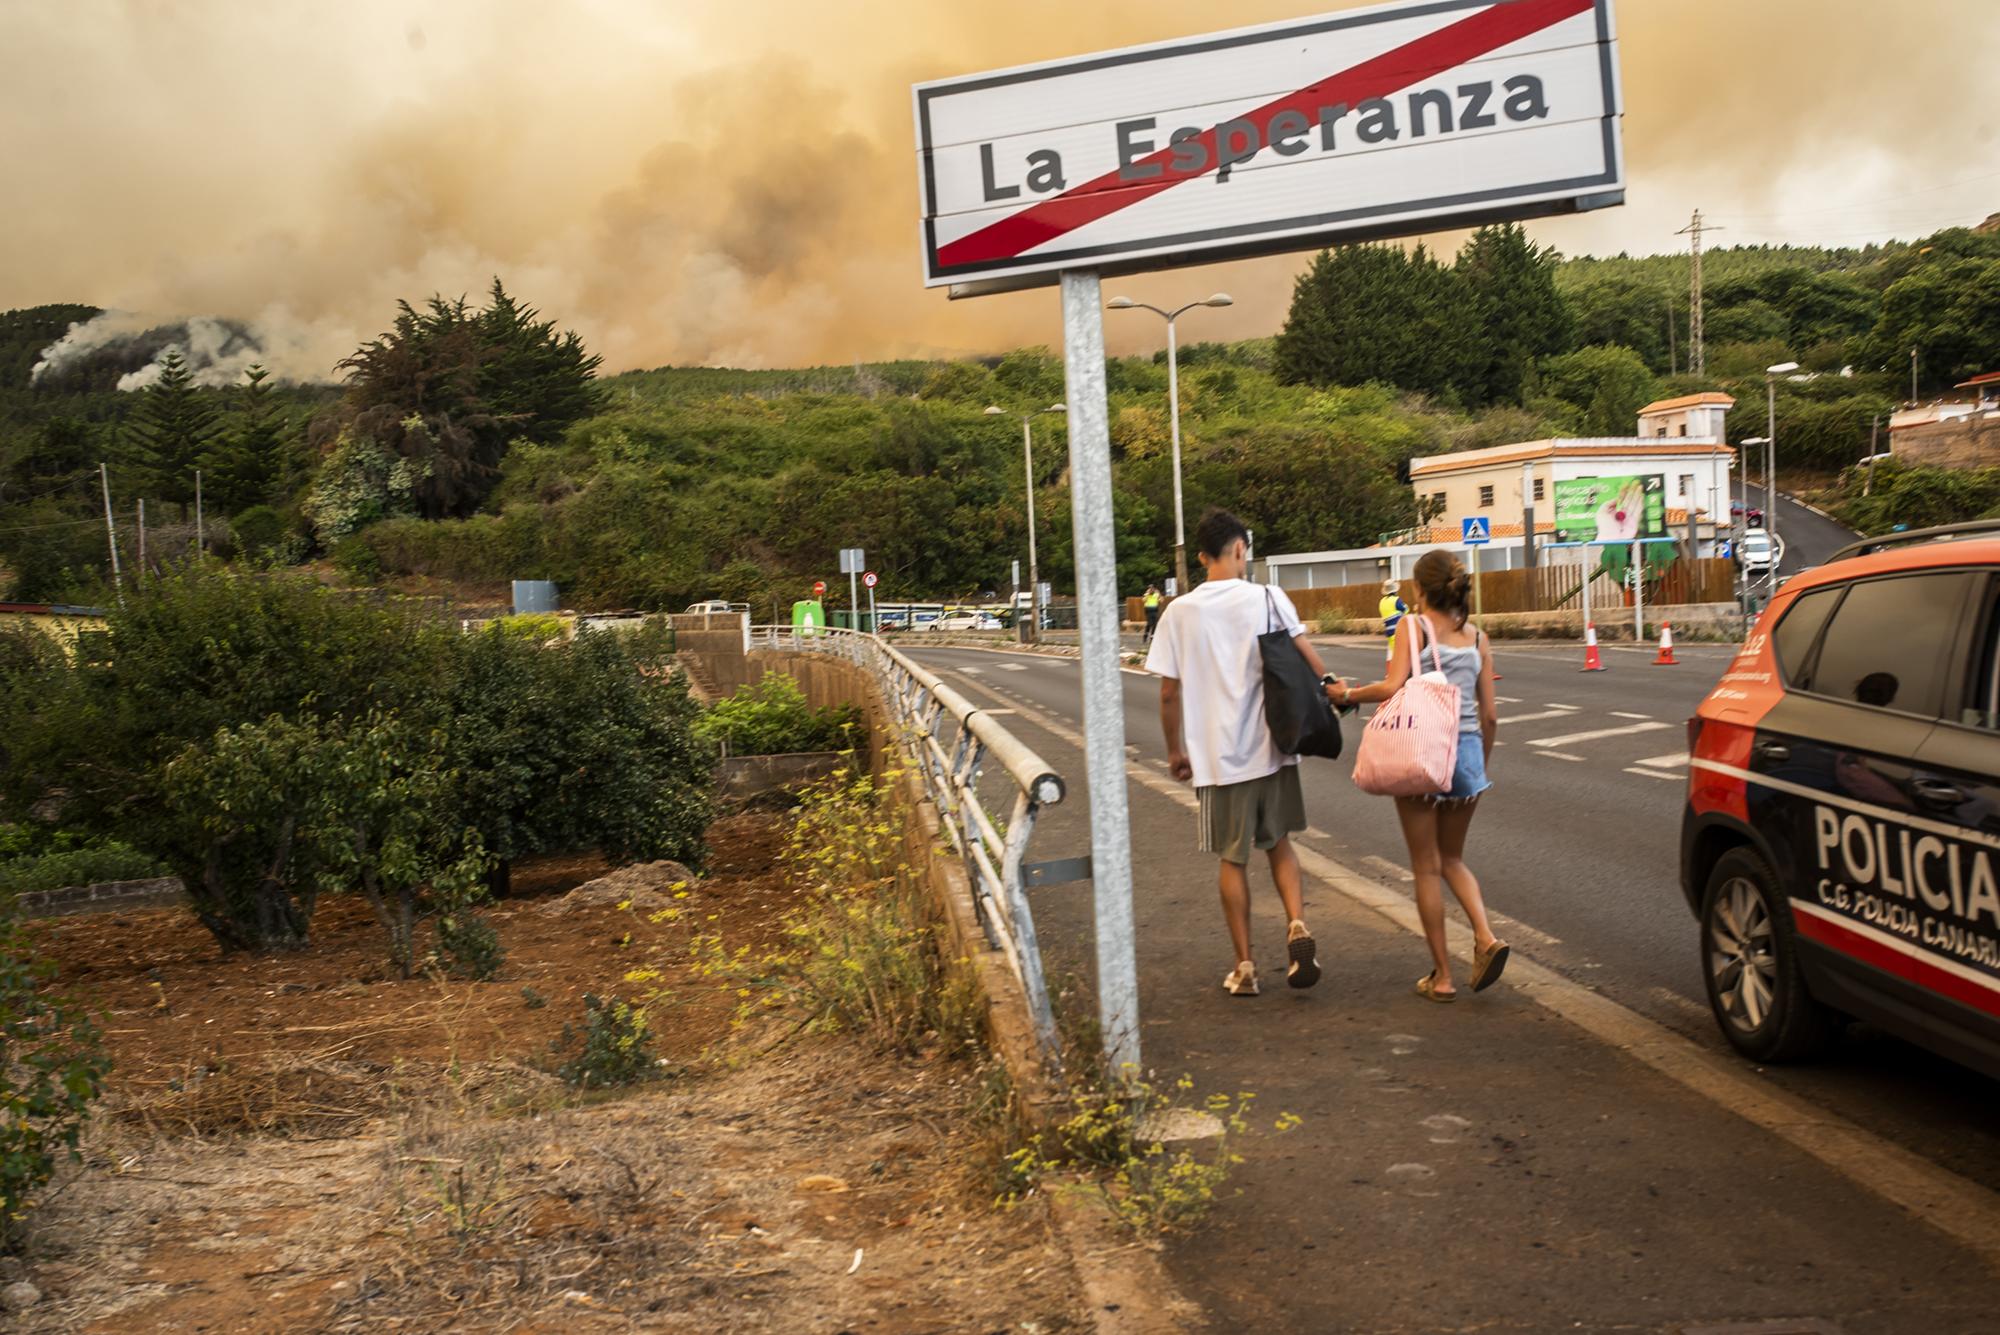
873, 625
1638, 594
1103, 689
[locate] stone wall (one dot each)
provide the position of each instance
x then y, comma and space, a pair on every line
106, 897
1965, 442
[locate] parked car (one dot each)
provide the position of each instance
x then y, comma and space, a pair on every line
888, 621
960, 619
1840, 845
715, 607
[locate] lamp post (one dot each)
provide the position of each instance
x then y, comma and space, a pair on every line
1174, 412
1771, 374
1028, 456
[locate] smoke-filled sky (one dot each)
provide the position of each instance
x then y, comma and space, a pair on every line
733, 182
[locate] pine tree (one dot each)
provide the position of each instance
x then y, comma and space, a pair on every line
1375, 313
242, 462
1522, 317
168, 432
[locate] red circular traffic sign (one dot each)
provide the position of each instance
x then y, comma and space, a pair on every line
869, 579
819, 587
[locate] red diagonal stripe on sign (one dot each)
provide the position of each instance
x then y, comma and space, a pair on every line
1413, 62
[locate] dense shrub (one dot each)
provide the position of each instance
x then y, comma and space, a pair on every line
35, 858
52, 1067
772, 718
1917, 497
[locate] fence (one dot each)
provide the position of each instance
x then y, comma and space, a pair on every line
995, 857
1549, 587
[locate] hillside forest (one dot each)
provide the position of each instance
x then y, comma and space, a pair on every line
474, 442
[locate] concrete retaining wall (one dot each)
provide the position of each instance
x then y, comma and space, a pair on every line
741, 777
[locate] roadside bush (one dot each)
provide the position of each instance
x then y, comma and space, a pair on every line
52, 1067
614, 1046
258, 530
31, 860
1917, 497
575, 746
357, 561
772, 718
534, 627
189, 656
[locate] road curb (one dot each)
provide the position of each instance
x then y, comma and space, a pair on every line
1125, 1285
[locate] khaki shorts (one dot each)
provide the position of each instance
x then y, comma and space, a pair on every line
1257, 813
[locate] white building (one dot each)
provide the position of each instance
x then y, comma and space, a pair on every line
1680, 439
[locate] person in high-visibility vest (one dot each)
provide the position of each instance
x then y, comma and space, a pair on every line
1392, 609
1152, 611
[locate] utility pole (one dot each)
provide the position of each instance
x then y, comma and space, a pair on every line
200, 534
1913, 377
1697, 354
111, 531
142, 540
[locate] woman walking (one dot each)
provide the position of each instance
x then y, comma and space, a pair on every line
1434, 827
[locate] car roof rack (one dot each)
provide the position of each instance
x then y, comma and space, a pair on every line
1981, 528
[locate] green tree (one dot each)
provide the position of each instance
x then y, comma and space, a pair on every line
1605, 387
1375, 313
449, 389
1950, 312
1521, 315
169, 431
244, 459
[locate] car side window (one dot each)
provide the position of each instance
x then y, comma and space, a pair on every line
1980, 705
1889, 644
1799, 631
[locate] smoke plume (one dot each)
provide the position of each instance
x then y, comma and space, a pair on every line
733, 181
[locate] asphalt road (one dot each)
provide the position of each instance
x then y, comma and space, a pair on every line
1577, 847
1809, 537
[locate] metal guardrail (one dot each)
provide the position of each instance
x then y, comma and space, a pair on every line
995, 855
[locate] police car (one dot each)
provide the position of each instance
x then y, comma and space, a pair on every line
1841, 842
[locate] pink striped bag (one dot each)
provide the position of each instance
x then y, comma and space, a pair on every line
1410, 747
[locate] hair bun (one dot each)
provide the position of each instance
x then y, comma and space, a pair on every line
1461, 584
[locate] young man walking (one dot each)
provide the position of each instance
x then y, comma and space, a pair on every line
1212, 711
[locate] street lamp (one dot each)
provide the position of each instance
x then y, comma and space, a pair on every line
1034, 570
1174, 408
1771, 374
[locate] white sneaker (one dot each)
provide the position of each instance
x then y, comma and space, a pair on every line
1242, 980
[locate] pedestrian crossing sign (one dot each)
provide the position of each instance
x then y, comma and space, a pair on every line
1476, 530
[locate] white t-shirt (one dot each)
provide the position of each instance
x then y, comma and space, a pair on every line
1208, 640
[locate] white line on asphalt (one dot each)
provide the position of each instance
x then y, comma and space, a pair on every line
1390, 868
1519, 930
1656, 774
1626, 731
1560, 711
1554, 755
1011, 667
1670, 760
1616, 713
1674, 1001
1508, 699
972, 671
1959, 1208
1314, 832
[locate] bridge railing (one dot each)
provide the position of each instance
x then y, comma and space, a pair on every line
951, 759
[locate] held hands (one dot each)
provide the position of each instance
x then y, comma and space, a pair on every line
1180, 766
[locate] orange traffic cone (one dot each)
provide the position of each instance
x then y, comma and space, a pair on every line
1592, 662
1665, 658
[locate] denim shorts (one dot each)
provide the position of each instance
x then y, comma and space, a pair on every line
1468, 775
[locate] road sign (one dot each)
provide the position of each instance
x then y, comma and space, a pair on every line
1475, 530
868, 579
853, 560
819, 588
1417, 116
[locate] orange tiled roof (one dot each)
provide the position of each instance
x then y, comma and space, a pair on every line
1688, 401
1990, 378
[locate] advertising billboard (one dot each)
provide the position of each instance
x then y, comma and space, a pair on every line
1369, 122
1611, 509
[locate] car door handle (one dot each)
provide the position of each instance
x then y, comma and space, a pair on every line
1935, 792
1775, 752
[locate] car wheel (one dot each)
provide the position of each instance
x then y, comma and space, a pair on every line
1750, 964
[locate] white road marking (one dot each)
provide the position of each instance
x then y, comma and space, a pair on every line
1621, 714
1674, 1001
1010, 667
1668, 775
1556, 755
1314, 832
1390, 868
972, 671
1626, 731
1670, 760
1561, 711
1508, 699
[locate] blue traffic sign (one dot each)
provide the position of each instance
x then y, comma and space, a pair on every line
1476, 530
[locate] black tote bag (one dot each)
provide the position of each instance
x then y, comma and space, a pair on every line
1301, 718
